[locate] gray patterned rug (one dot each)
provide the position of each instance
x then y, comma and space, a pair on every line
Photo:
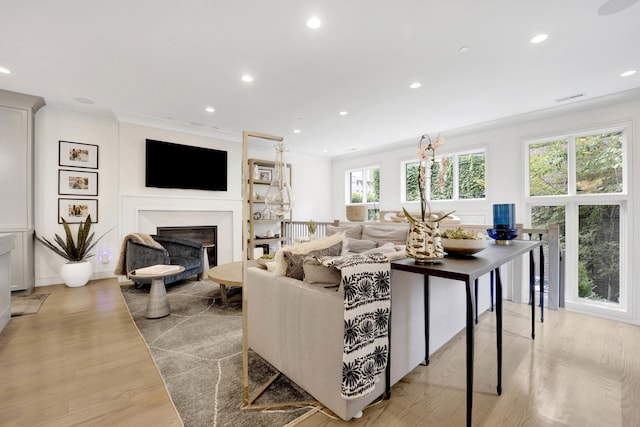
198, 351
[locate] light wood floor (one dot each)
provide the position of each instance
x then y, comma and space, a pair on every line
579, 371
80, 361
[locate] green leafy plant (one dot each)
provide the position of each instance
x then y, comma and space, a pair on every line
73, 249
459, 233
311, 225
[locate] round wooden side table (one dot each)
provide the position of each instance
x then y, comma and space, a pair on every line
227, 275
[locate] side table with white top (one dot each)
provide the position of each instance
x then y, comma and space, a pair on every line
158, 304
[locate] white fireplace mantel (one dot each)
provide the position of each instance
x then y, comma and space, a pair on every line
142, 214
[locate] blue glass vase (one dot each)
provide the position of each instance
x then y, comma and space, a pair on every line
504, 223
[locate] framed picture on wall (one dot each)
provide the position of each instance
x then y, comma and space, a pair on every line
264, 174
77, 155
77, 210
78, 183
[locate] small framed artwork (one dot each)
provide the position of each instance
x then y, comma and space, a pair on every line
264, 174
77, 210
77, 155
77, 183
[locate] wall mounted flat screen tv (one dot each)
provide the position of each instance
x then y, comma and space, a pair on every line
170, 165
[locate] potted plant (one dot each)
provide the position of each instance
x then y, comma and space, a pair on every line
77, 271
423, 240
459, 242
311, 226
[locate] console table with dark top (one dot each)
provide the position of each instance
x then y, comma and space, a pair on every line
469, 270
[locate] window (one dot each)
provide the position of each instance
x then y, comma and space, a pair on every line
578, 181
364, 187
453, 177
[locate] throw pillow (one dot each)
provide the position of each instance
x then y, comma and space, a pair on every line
353, 232
315, 272
295, 268
357, 245
279, 264
382, 235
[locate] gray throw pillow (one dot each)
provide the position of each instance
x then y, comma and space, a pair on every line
315, 272
353, 232
295, 268
357, 246
394, 234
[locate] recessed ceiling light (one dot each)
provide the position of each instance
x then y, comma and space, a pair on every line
415, 85
343, 113
210, 109
297, 131
247, 78
464, 49
82, 100
539, 38
4, 70
325, 151
628, 73
314, 22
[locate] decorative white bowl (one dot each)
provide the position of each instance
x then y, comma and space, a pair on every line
463, 247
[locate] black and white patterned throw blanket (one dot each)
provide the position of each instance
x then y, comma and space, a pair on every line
367, 304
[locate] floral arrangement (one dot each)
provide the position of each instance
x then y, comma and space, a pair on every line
425, 153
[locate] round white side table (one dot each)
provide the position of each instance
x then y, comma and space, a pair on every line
158, 304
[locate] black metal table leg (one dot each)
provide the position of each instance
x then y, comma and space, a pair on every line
532, 284
541, 280
427, 320
499, 328
475, 297
470, 345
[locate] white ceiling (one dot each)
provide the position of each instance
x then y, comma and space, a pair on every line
169, 59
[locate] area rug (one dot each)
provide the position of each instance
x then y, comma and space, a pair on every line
198, 351
22, 305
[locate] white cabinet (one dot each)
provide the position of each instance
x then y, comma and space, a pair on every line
6, 246
16, 175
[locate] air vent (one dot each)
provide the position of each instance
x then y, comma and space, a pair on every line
570, 97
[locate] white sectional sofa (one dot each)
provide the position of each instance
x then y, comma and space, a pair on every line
298, 327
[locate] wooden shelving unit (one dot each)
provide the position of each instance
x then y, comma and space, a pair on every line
257, 207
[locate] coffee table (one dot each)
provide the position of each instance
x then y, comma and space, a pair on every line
227, 275
158, 304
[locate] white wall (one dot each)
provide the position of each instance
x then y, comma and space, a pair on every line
122, 191
310, 182
503, 142
52, 125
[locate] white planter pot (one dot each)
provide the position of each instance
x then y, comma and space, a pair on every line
75, 274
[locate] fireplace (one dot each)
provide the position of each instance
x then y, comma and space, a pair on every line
145, 214
207, 235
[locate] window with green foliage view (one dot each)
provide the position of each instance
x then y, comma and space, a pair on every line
577, 181
452, 177
364, 187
